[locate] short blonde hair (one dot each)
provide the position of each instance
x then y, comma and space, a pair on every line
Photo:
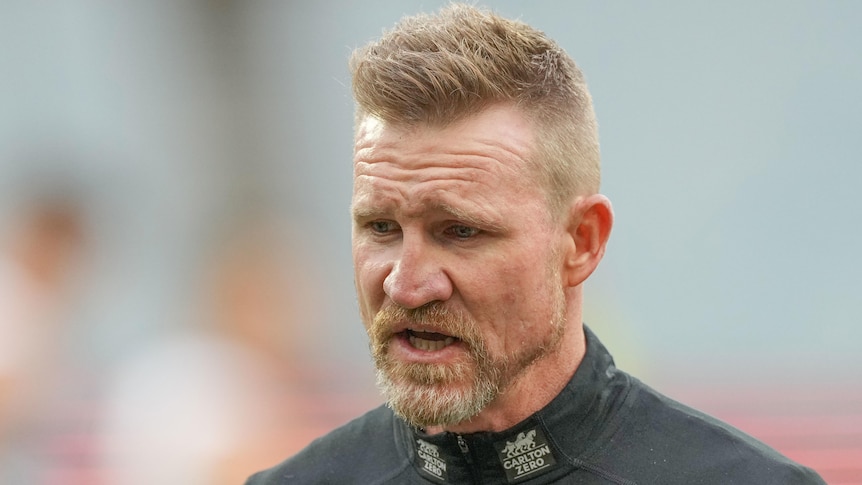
438, 69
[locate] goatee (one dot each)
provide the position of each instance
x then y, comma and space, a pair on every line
443, 394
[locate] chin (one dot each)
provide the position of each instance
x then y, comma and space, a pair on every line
424, 405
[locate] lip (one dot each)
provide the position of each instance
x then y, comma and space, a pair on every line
403, 326
401, 349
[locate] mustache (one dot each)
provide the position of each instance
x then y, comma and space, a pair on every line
435, 315
428, 314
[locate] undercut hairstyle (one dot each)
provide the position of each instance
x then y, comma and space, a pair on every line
439, 69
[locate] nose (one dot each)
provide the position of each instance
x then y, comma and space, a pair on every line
417, 276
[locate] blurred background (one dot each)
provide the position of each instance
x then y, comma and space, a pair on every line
176, 296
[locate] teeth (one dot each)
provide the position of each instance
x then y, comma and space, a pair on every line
429, 345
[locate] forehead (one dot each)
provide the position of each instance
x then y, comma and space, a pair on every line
477, 165
498, 139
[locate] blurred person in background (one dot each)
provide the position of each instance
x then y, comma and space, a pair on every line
476, 221
215, 399
42, 242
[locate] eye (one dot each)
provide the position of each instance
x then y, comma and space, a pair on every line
382, 227
461, 231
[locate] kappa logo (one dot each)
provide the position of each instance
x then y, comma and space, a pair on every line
429, 460
529, 454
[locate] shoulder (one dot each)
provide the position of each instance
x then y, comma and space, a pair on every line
362, 451
665, 441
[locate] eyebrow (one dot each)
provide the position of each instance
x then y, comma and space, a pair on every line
466, 217
365, 213
368, 213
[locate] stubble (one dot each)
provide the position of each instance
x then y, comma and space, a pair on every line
444, 394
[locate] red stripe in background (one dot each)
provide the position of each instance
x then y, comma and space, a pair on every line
819, 427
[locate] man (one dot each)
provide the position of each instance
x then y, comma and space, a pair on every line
476, 221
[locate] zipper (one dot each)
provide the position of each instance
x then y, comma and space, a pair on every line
465, 450
462, 443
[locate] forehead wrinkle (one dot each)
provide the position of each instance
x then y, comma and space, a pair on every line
380, 185
420, 201
399, 148
374, 201
509, 142
419, 169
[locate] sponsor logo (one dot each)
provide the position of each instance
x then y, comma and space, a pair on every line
528, 455
429, 460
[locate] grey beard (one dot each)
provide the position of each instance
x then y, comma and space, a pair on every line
427, 395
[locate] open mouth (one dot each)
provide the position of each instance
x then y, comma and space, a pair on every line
429, 341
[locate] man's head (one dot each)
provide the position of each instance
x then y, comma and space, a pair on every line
475, 216
439, 69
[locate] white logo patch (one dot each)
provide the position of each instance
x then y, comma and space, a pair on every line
527, 455
429, 460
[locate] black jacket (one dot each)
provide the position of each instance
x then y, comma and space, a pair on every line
605, 427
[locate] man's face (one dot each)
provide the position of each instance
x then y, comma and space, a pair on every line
456, 260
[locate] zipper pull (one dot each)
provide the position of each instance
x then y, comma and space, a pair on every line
462, 443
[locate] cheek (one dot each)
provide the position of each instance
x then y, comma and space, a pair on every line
498, 295
365, 312
526, 278
521, 298
511, 276
368, 279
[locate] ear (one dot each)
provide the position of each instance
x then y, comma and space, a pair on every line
589, 226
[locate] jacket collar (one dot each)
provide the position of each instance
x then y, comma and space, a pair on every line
543, 445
